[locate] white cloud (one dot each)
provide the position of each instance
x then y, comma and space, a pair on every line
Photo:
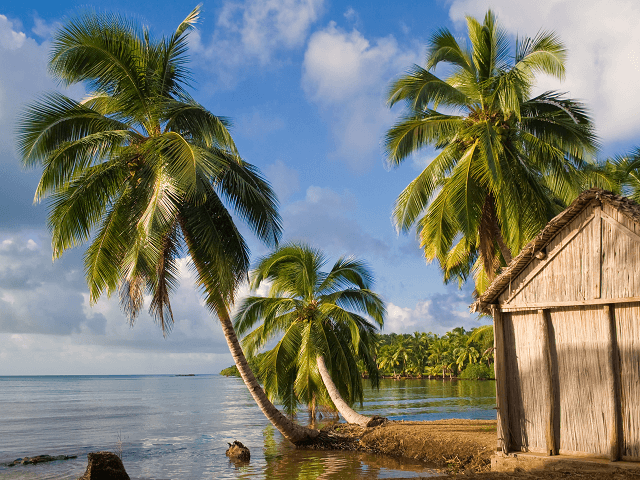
35, 354
284, 180
603, 40
346, 75
43, 29
252, 32
328, 219
406, 320
41, 297
439, 313
22, 77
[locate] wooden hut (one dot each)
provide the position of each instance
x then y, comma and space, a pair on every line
566, 314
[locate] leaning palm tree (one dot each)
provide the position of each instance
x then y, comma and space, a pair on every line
143, 173
506, 161
317, 319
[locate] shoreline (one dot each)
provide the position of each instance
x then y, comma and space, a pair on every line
458, 448
454, 445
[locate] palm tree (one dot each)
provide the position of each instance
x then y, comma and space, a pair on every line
385, 359
316, 316
483, 337
440, 356
420, 348
143, 172
466, 353
506, 162
402, 353
621, 174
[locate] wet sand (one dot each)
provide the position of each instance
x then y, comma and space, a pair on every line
458, 448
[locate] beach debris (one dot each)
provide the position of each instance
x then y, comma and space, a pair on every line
39, 459
104, 466
237, 451
376, 421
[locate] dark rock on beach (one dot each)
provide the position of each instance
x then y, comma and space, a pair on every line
39, 459
104, 466
237, 451
376, 421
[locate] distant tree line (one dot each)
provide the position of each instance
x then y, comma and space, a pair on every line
459, 353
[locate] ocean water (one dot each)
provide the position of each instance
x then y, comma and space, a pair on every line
174, 427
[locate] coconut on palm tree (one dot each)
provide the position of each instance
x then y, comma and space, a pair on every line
144, 173
506, 160
324, 323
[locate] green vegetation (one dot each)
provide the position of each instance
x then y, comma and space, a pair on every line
429, 355
254, 363
506, 163
146, 174
323, 322
477, 371
458, 353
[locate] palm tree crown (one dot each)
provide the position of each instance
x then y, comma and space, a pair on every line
140, 169
506, 161
313, 314
146, 173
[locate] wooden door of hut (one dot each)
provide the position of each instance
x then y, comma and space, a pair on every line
567, 328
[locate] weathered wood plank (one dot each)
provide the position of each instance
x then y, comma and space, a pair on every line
550, 257
500, 366
597, 254
570, 303
627, 317
621, 227
549, 394
616, 434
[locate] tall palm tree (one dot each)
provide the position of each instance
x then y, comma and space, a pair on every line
440, 356
506, 161
317, 319
143, 172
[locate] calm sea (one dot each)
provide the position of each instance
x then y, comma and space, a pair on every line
172, 427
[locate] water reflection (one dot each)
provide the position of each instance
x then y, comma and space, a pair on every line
284, 461
431, 399
178, 427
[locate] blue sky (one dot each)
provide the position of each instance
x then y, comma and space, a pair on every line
303, 82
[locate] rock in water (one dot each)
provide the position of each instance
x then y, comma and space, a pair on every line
38, 459
237, 451
104, 466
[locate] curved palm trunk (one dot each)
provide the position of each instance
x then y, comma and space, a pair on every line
293, 432
349, 414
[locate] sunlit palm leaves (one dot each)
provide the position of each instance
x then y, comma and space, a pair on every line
309, 313
506, 161
141, 170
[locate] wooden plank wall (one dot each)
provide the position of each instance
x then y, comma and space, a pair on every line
566, 274
573, 369
581, 339
628, 327
621, 255
523, 350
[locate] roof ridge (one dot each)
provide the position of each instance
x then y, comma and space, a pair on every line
526, 255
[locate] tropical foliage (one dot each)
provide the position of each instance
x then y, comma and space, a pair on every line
506, 161
458, 353
145, 174
621, 174
429, 355
140, 169
311, 314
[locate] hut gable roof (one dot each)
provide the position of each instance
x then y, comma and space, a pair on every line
594, 196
